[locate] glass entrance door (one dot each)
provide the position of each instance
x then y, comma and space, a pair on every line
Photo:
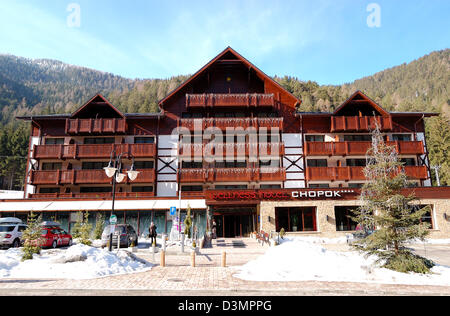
233, 223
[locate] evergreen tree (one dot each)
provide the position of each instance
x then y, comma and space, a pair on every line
384, 208
438, 144
85, 230
99, 225
32, 237
188, 222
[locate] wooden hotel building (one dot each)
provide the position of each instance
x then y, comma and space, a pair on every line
274, 167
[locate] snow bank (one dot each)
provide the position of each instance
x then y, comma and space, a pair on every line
76, 262
297, 259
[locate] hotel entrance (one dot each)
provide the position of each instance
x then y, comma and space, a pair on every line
235, 222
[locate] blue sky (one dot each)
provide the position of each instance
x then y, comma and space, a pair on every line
325, 41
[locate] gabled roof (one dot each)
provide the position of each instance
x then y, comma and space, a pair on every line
359, 97
235, 54
98, 104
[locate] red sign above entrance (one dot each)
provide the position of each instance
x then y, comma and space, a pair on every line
281, 195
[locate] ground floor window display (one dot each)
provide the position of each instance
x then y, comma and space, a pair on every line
294, 219
343, 216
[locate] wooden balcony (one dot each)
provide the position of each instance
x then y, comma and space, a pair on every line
60, 177
90, 195
233, 149
359, 123
359, 148
356, 173
92, 151
231, 175
95, 126
229, 100
224, 123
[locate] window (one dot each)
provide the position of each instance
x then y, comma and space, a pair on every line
401, 137
99, 140
408, 161
191, 165
144, 140
315, 138
317, 163
144, 165
52, 166
231, 187
231, 164
94, 165
185, 139
142, 189
319, 185
266, 114
270, 186
356, 162
269, 138
357, 138
54, 141
95, 190
343, 216
49, 190
355, 185
191, 188
294, 219
191, 115
427, 217
269, 163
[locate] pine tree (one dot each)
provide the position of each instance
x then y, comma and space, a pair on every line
99, 223
85, 231
188, 222
393, 216
32, 237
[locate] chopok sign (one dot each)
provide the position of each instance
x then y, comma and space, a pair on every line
280, 195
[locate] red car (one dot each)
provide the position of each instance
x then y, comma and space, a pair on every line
54, 236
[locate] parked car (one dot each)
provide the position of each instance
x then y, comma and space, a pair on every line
125, 232
54, 236
11, 229
359, 234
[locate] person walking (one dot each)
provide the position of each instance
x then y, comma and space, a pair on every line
152, 233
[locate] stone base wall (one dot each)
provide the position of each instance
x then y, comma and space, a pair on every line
325, 216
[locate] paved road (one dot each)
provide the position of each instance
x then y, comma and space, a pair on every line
207, 278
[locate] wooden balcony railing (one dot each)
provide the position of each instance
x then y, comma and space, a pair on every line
231, 175
229, 100
359, 148
58, 177
95, 126
356, 173
92, 151
359, 123
90, 195
233, 149
224, 123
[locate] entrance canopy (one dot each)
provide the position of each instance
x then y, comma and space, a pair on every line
120, 205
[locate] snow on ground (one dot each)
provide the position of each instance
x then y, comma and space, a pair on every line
76, 262
304, 259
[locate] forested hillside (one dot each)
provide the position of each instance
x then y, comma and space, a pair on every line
47, 86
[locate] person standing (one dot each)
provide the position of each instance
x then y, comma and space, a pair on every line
152, 233
214, 229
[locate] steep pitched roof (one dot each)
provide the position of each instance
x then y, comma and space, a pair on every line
236, 55
359, 97
98, 105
